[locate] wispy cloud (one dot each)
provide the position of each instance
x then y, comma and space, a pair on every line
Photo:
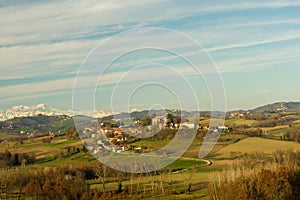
64, 20
292, 36
45, 42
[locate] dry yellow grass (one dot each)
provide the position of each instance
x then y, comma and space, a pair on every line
254, 144
230, 122
41, 150
240, 122
215, 121
275, 128
297, 121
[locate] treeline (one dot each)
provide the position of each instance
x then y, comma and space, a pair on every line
260, 177
69, 151
8, 159
71, 134
47, 183
254, 132
267, 120
167, 134
87, 183
292, 135
283, 183
64, 182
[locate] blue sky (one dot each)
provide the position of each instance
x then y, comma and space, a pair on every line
255, 46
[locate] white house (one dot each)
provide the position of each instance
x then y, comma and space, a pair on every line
188, 125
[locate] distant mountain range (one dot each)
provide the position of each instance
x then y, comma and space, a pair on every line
43, 109
26, 111
42, 119
40, 109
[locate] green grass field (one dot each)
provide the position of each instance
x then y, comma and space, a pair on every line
152, 144
5, 135
185, 164
36, 146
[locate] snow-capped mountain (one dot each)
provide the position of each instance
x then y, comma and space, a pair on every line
25, 111
43, 109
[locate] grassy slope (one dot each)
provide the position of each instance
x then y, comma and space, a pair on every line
257, 145
38, 147
239, 122
296, 121
231, 122
281, 127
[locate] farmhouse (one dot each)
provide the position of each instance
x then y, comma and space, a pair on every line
188, 125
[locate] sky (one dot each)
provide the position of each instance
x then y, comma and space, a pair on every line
46, 46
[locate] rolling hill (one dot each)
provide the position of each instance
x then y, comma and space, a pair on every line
254, 144
39, 124
279, 106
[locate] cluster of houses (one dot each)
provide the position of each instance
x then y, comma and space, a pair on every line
161, 122
213, 129
115, 138
110, 139
239, 114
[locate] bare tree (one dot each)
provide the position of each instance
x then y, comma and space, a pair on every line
101, 172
